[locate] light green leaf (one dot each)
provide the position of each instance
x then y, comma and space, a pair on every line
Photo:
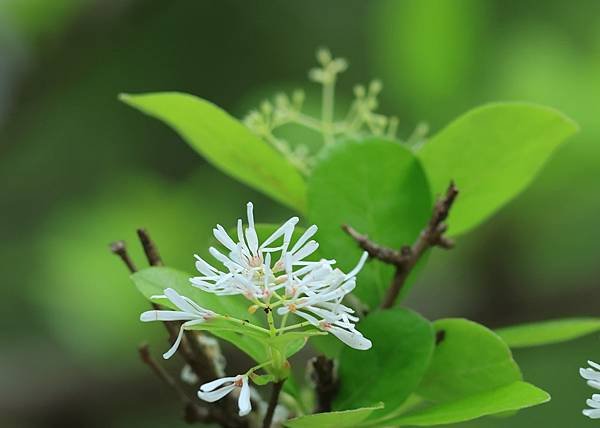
226, 143
403, 343
379, 188
548, 332
514, 396
492, 153
343, 419
468, 359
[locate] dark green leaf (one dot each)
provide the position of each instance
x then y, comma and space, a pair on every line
492, 153
403, 343
379, 188
226, 143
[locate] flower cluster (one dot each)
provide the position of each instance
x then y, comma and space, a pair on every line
277, 275
592, 376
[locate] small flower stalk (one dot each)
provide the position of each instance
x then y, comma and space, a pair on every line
301, 296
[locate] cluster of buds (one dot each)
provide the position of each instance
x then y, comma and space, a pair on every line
277, 276
361, 118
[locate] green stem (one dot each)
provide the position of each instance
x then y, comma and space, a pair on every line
327, 110
283, 321
295, 326
243, 323
271, 322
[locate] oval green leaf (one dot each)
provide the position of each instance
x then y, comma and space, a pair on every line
548, 332
226, 143
492, 153
379, 188
403, 343
468, 359
343, 419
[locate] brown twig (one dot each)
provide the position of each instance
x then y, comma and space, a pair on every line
191, 351
150, 249
277, 386
119, 248
407, 257
326, 382
193, 412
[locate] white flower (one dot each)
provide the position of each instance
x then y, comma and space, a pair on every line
313, 290
217, 389
592, 375
248, 269
188, 311
319, 294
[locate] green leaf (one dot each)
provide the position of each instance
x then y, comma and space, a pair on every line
548, 332
468, 359
261, 379
226, 143
379, 188
343, 419
492, 153
515, 396
403, 343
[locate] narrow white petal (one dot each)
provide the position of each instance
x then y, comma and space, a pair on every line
213, 396
179, 301
592, 413
224, 238
592, 403
305, 237
352, 339
359, 266
244, 399
166, 316
209, 386
173, 348
204, 267
307, 250
286, 229
594, 365
307, 317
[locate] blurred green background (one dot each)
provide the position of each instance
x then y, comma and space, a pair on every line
78, 170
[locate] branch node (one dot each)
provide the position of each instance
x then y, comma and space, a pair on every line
407, 257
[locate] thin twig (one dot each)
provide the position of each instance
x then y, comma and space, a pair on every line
119, 248
326, 382
149, 248
277, 386
407, 257
193, 412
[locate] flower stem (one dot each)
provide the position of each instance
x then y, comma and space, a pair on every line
327, 109
243, 323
